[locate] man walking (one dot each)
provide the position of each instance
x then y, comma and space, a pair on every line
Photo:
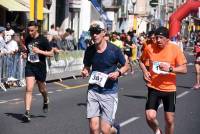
35, 71
165, 60
101, 61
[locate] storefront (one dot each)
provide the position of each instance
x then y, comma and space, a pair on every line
12, 11
17, 13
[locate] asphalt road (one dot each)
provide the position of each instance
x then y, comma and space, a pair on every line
67, 113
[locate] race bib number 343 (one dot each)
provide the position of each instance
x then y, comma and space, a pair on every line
98, 78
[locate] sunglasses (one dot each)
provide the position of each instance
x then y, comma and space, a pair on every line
95, 30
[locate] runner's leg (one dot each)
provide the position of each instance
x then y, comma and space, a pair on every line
43, 90
151, 119
30, 81
94, 124
105, 127
197, 67
169, 119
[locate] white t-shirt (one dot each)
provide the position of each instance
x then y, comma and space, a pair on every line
53, 32
8, 35
12, 46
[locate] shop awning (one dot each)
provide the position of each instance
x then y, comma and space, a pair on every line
12, 5
27, 4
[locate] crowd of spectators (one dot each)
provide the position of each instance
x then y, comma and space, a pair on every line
12, 62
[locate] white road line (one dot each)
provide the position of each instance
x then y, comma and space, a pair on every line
190, 64
3, 101
50, 92
160, 106
18, 102
128, 121
16, 99
182, 94
38, 94
59, 90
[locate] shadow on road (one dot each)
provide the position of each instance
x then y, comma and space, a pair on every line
136, 96
187, 87
20, 116
82, 104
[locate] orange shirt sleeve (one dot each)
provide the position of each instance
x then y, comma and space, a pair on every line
180, 58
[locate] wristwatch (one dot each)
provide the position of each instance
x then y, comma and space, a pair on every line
120, 73
170, 69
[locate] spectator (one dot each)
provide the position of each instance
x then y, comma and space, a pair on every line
197, 64
8, 32
116, 41
3, 50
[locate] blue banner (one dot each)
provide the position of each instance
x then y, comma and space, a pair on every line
103, 14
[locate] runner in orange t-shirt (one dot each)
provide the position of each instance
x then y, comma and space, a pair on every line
165, 60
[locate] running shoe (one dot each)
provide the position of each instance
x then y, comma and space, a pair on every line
27, 117
159, 132
117, 127
3, 87
46, 105
196, 86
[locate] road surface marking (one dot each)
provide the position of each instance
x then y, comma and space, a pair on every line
161, 105
39, 94
182, 94
18, 102
78, 86
59, 90
128, 121
60, 84
190, 64
16, 99
3, 101
70, 87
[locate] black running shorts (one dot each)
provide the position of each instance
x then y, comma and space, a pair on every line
36, 69
155, 97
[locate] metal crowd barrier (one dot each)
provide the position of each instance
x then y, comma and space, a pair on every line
63, 65
11, 70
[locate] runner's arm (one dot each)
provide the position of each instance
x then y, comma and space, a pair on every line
146, 73
182, 69
45, 53
85, 71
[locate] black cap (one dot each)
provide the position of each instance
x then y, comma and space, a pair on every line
162, 31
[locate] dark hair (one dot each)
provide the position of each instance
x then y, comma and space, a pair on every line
68, 30
150, 33
52, 26
32, 23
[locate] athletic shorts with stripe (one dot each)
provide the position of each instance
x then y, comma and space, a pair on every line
102, 105
155, 97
